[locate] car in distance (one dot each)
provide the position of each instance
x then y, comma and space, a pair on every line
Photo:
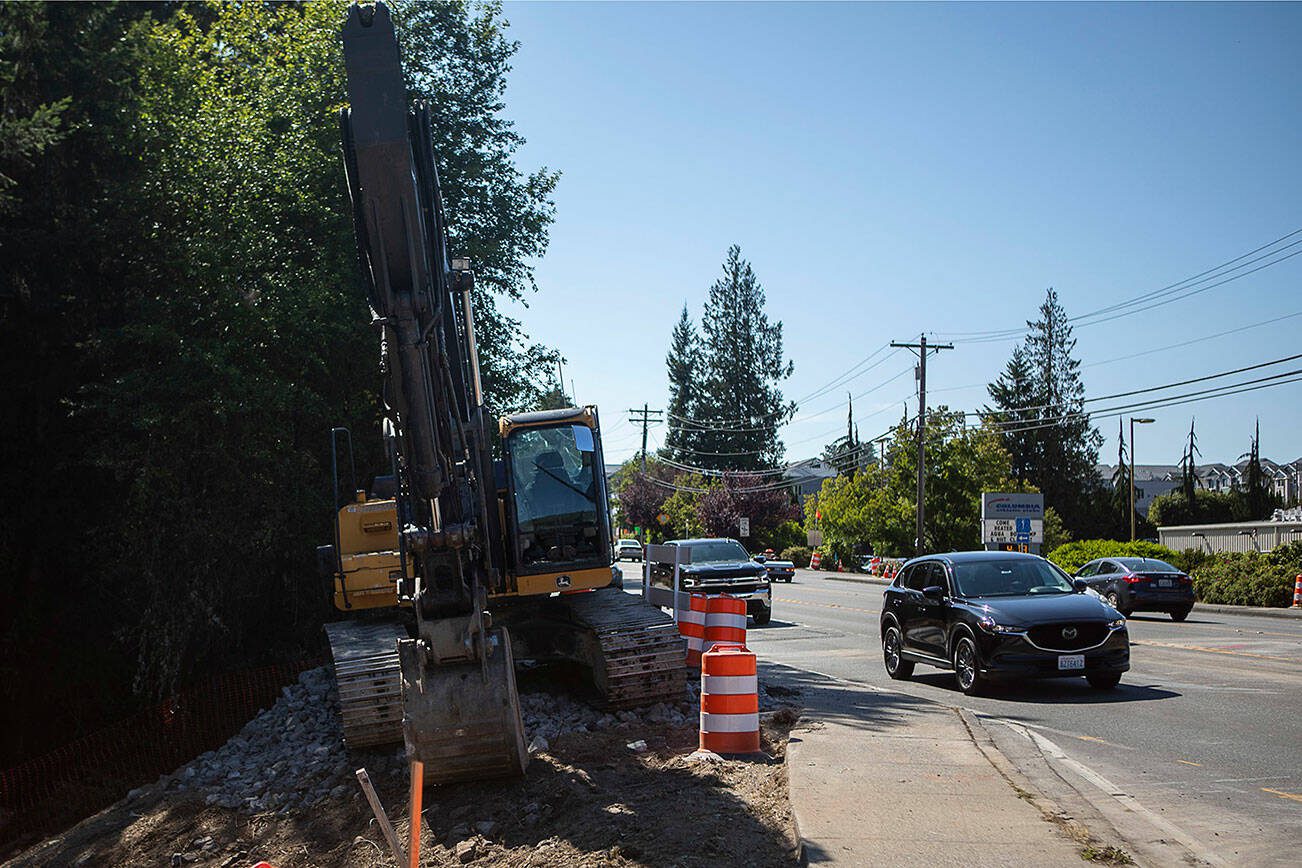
1000, 615
778, 570
1140, 585
628, 548
720, 566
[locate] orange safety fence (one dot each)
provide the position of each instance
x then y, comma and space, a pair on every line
51, 791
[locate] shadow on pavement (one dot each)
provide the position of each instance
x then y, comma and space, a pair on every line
1053, 691
1158, 618
834, 701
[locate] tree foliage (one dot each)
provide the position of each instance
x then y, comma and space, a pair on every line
875, 509
1039, 401
184, 323
684, 364
743, 366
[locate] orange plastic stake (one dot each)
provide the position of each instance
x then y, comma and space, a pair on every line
417, 792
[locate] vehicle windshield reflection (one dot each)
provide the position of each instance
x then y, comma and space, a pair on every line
1010, 578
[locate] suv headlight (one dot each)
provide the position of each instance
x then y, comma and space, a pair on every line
991, 626
1120, 622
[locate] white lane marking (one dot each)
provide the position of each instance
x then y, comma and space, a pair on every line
1127, 801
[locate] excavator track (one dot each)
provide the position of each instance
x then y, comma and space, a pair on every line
369, 679
635, 651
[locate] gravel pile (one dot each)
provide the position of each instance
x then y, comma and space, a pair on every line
291, 757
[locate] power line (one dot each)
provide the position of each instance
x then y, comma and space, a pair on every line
1245, 369
921, 348
1173, 292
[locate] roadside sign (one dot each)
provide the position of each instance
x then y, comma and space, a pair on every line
1012, 521
662, 518
743, 526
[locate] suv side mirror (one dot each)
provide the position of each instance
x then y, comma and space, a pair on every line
934, 593
759, 559
1080, 585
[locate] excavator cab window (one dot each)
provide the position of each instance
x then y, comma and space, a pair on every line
558, 505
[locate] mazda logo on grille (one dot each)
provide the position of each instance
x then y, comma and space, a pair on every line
1069, 632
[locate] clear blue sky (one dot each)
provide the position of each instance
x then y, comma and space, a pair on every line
890, 169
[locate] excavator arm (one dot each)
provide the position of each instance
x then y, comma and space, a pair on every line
449, 528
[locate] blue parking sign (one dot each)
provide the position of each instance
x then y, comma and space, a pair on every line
1022, 525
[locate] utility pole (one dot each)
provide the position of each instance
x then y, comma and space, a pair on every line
647, 417
922, 350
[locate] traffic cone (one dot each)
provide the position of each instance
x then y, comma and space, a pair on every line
1297, 593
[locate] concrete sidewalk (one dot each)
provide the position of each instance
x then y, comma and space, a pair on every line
880, 778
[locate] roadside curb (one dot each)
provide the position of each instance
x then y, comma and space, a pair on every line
1247, 610
849, 577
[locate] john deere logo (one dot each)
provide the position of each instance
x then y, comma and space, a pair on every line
1069, 633
562, 581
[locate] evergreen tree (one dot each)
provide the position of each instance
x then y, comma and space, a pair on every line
1013, 390
1060, 446
1256, 498
847, 454
742, 367
1121, 484
1188, 476
684, 364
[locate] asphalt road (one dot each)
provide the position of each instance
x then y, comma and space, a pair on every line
1205, 730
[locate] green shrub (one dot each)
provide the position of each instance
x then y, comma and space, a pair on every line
1248, 578
1188, 560
786, 535
1074, 555
798, 555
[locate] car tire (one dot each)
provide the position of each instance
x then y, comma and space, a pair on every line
1180, 614
1103, 680
1115, 602
967, 666
762, 616
892, 644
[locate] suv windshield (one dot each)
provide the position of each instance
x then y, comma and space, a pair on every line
724, 551
1147, 565
1009, 578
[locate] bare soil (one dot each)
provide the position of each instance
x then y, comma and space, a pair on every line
589, 800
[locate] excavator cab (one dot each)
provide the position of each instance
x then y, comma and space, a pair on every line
557, 509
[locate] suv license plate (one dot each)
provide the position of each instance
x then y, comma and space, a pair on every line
1071, 661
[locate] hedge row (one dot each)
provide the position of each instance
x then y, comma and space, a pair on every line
1249, 578
798, 555
1234, 578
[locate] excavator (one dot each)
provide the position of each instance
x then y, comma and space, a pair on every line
458, 560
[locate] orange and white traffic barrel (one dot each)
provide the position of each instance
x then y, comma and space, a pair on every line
725, 621
815, 561
691, 626
1297, 593
729, 700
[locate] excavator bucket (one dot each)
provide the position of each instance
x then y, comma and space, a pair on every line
462, 720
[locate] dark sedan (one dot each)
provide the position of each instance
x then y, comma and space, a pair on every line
990, 615
1141, 585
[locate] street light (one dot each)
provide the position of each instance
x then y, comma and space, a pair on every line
1252, 533
1203, 537
1133, 420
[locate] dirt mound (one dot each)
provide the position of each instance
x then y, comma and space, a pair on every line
283, 790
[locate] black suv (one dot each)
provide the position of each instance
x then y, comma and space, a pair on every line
720, 566
989, 615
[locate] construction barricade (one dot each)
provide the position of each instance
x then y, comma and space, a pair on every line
725, 621
729, 700
691, 626
815, 561
1297, 593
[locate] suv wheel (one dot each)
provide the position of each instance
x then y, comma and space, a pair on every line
967, 667
896, 666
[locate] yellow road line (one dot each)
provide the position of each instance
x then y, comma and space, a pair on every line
1213, 650
1188, 763
1283, 795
